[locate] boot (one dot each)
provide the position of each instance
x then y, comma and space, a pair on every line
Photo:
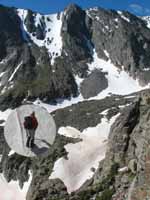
28, 142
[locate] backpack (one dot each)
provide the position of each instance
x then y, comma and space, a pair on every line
28, 123
34, 122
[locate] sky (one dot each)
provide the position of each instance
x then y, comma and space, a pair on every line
138, 7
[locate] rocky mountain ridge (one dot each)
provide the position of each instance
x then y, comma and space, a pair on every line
41, 51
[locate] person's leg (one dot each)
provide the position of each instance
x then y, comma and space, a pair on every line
28, 138
32, 138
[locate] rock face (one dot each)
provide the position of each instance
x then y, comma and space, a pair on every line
93, 84
124, 36
129, 147
75, 33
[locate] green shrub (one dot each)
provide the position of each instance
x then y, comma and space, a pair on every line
106, 195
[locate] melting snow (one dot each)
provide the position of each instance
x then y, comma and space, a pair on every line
11, 190
82, 156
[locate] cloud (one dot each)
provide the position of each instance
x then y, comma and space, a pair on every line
138, 9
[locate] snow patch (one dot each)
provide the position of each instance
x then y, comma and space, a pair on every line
11, 152
147, 19
123, 17
146, 69
129, 97
69, 132
11, 190
15, 71
123, 169
105, 112
82, 156
119, 82
97, 18
2, 73
60, 103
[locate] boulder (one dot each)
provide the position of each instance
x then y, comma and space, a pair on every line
95, 83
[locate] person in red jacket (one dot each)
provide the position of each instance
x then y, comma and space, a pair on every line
30, 124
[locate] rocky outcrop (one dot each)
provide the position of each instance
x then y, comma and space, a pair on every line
93, 84
128, 150
38, 31
75, 33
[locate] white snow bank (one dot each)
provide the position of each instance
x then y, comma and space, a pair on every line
11, 190
4, 115
61, 103
119, 82
69, 132
83, 155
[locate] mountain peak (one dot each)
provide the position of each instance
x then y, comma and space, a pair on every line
73, 6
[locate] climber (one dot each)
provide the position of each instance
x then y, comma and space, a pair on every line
30, 124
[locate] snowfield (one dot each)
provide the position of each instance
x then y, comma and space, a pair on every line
12, 191
119, 83
82, 156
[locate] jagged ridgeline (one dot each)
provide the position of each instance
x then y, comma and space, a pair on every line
41, 55
85, 54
